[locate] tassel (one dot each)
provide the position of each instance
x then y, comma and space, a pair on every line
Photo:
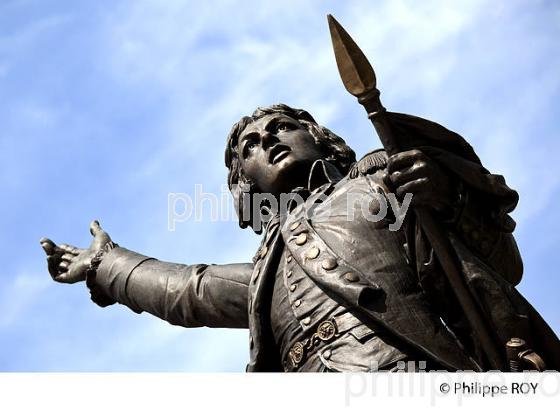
371, 162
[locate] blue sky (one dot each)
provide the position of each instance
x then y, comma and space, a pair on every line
106, 107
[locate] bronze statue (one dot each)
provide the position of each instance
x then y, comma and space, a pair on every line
332, 289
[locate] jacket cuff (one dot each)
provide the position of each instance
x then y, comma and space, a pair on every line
97, 294
107, 283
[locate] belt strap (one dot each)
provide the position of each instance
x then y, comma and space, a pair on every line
326, 331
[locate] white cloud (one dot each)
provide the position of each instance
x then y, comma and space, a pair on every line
18, 297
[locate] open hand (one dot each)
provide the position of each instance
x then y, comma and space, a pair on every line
68, 264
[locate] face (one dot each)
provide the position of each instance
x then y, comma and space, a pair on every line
276, 152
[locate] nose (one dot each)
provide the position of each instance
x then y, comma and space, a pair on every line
268, 140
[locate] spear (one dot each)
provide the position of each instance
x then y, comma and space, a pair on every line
359, 79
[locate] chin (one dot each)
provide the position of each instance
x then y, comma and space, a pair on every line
286, 164
291, 173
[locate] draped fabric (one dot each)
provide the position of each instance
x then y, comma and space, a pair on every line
507, 312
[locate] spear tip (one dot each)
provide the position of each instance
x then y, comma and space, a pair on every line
355, 70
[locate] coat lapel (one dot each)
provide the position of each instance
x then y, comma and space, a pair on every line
263, 355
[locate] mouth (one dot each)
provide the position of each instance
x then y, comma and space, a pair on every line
278, 153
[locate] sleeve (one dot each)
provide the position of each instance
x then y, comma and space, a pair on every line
185, 295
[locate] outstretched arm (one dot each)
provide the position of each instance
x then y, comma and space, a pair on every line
185, 295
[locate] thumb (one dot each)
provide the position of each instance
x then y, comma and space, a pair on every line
95, 228
48, 246
100, 237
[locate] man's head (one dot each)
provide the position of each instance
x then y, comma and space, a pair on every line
273, 149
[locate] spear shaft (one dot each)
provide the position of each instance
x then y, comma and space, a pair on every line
359, 79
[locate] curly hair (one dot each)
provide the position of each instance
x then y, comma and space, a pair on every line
338, 153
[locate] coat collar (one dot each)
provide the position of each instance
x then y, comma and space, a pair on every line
322, 172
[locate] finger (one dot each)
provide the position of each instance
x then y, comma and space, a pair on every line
404, 159
68, 257
95, 228
69, 249
52, 264
413, 187
48, 246
69, 277
61, 277
386, 177
416, 171
63, 266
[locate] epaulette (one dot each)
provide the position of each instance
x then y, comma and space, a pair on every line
371, 162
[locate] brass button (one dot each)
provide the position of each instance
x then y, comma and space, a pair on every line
312, 253
297, 303
326, 330
289, 274
292, 288
306, 321
327, 354
351, 277
289, 258
329, 263
264, 251
296, 353
295, 225
301, 238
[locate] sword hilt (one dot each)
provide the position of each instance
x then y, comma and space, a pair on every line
520, 357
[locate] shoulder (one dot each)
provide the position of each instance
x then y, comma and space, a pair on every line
369, 164
369, 172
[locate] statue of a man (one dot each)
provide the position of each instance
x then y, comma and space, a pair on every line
330, 289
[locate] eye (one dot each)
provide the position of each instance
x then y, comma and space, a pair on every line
283, 126
248, 147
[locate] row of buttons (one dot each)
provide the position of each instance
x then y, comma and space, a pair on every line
298, 302
328, 262
289, 275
